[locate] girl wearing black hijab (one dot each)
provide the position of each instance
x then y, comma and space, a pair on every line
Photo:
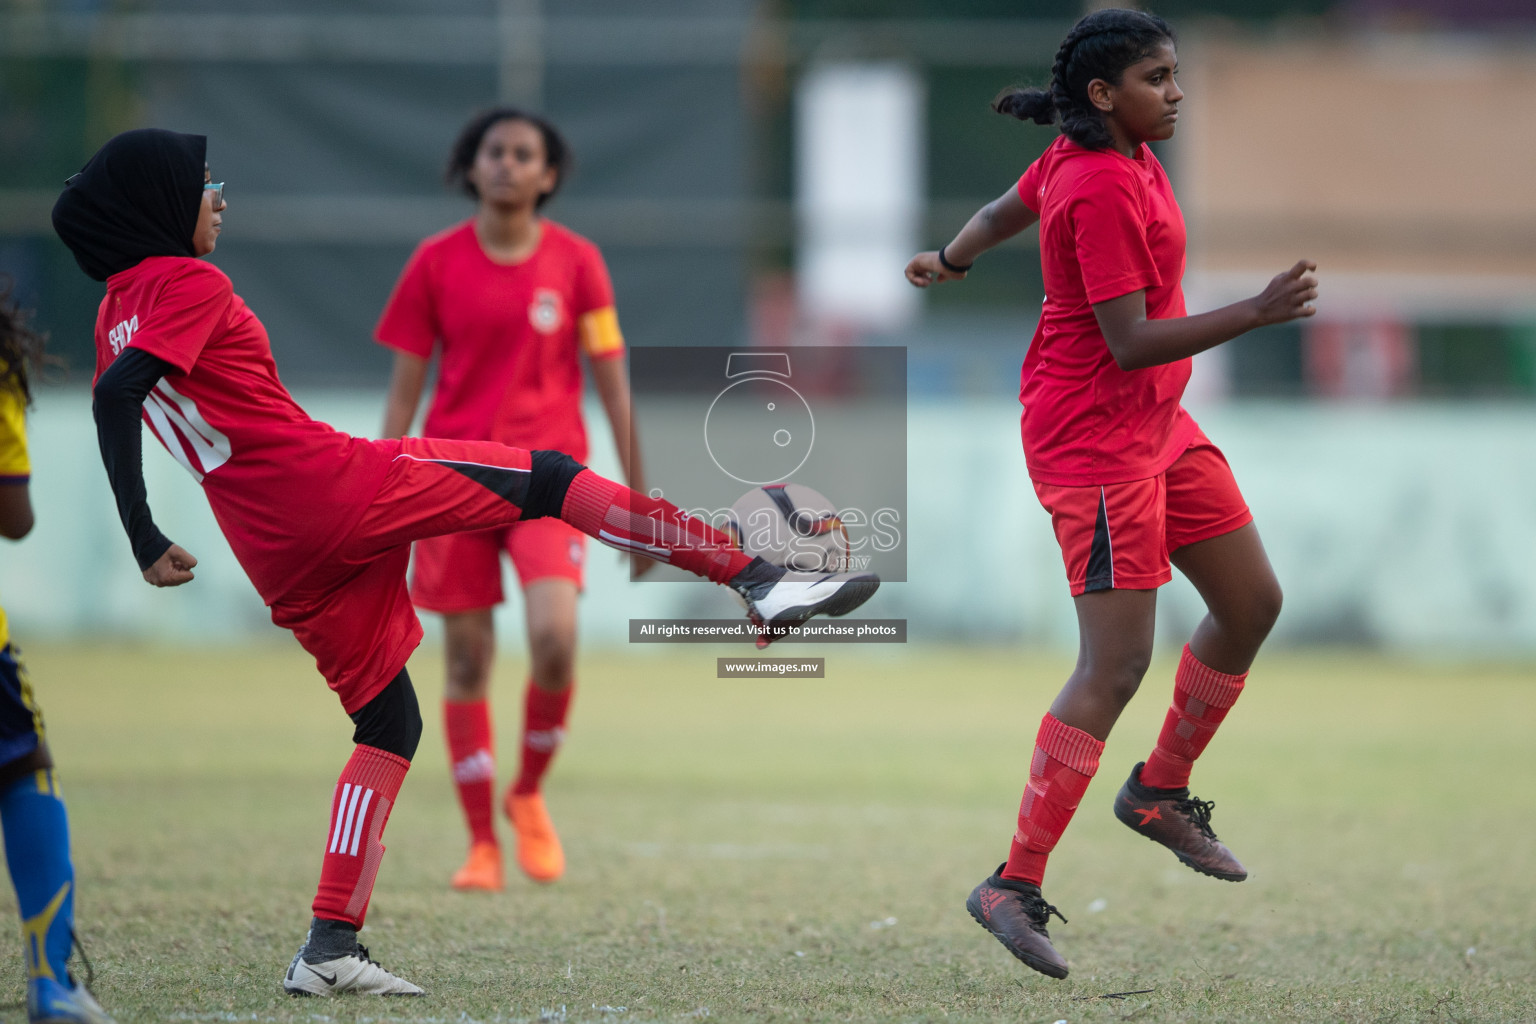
321, 521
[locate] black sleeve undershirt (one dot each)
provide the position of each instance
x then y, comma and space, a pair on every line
118, 404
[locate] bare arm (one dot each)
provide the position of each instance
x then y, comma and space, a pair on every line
405, 385
612, 384
989, 226
613, 389
1137, 343
15, 510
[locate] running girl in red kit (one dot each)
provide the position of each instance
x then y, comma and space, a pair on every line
321, 521
509, 301
1131, 483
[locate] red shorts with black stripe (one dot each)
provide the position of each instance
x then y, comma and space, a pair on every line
1119, 536
351, 609
462, 572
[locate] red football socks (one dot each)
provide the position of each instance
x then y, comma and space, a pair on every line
473, 760
1201, 698
631, 521
360, 809
1064, 762
543, 731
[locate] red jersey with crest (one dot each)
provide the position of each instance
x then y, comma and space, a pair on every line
508, 335
285, 488
1109, 226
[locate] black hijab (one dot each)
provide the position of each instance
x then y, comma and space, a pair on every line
138, 197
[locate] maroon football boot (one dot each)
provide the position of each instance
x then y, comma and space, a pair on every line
1180, 822
1015, 913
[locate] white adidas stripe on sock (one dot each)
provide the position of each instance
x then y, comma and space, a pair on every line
351, 812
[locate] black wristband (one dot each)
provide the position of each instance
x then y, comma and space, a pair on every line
944, 262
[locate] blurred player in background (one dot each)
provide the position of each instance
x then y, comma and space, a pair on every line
509, 300
1130, 481
31, 806
321, 521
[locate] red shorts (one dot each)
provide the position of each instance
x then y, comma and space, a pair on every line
462, 572
1119, 536
351, 610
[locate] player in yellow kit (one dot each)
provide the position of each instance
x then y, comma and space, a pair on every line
31, 808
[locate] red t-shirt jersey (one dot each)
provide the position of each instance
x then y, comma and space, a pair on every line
1109, 226
509, 335
284, 488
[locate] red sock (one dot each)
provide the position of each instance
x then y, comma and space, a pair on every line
360, 809
1201, 698
631, 521
472, 758
1064, 762
543, 731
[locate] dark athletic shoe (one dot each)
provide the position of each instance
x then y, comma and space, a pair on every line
1180, 822
1015, 913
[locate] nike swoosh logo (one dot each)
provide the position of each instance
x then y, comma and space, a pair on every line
328, 979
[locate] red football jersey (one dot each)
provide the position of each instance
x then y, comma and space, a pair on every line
284, 488
508, 335
1109, 226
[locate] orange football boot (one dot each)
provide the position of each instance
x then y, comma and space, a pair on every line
481, 871
538, 847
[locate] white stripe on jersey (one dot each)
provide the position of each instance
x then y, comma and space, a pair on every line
176, 419
215, 449
167, 435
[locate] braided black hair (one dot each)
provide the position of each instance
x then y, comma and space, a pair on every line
21, 348
1101, 45
462, 156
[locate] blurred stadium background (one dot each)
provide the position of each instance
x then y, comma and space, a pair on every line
733, 155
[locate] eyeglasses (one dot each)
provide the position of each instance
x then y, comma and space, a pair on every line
216, 187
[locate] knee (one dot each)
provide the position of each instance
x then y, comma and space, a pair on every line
410, 731
391, 721
549, 477
552, 658
1269, 603
1118, 678
469, 666
1125, 678
1259, 611
37, 760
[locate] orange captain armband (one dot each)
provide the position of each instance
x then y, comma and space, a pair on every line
599, 329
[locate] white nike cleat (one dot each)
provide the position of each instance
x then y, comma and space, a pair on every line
778, 599
351, 973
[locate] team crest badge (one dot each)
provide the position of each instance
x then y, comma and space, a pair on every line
545, 312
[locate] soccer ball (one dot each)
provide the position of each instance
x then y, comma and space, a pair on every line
790, 525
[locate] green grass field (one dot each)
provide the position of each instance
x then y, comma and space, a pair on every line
800, 850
